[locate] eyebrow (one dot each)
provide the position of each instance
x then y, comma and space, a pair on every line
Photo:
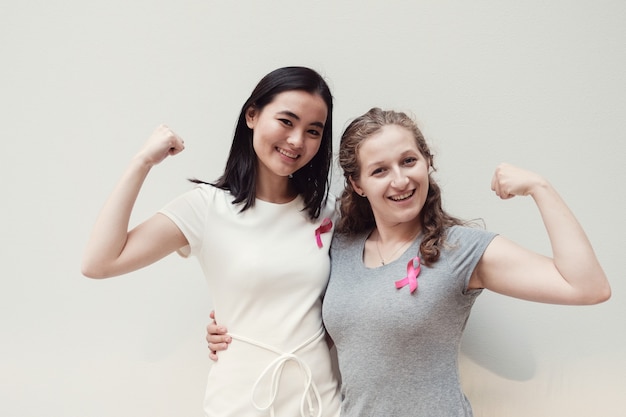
373, 164
402, 155
295, 116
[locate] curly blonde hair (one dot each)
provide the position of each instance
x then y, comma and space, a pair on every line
356, 211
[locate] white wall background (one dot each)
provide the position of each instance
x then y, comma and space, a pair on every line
83, 83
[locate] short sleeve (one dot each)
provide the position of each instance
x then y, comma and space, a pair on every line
189, 213
466, 245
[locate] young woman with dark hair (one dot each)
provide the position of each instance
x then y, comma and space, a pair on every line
261, 233
310, 181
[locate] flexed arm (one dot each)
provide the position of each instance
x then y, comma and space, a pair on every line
572, 275
112, 249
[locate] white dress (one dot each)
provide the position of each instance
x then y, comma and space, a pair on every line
266, 276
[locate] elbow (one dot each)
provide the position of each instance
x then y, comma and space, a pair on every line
603, 295
598, 295
604, 290
596, 299
91, 273
92, 270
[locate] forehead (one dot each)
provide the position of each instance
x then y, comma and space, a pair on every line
308, 107
388, 141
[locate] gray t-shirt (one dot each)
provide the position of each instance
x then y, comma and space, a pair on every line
398, 352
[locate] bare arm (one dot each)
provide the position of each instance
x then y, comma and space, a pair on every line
572, 275
112, 249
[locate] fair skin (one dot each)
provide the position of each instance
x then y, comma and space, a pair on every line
286, 136
394, 180
572, 276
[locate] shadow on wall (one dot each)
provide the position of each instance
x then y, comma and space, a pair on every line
489, 342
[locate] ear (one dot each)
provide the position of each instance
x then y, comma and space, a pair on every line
356, 187
251, 116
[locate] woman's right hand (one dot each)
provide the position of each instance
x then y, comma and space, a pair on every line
162, 143
216, 337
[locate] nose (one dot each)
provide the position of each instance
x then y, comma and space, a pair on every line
399, 180
296, 139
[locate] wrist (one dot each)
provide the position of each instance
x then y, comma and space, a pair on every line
141, 161
539, 187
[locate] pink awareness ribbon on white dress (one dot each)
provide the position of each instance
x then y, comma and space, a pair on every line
326, 225
411, 275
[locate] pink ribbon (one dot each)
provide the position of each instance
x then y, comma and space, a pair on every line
411, 275
326, 225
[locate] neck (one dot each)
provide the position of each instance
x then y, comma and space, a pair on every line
277, 191
390, 243
402, 232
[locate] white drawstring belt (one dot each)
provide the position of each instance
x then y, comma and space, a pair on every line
276, 368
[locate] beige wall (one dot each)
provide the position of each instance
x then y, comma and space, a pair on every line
83, 83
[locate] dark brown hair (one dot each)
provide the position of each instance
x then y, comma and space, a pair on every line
356, 212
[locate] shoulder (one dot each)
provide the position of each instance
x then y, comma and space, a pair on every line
201, 200
211, 194
464, 233
467, 239
208, 190
345, 241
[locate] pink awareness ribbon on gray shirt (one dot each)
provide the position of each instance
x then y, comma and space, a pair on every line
411, 275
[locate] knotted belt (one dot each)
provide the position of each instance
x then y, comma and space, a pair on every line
310, 393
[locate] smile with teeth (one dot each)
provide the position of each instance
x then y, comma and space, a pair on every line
287, 154
402, 196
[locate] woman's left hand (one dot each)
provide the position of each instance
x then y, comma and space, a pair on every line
509, 181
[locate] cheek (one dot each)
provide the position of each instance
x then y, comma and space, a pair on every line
424, 173
312, 149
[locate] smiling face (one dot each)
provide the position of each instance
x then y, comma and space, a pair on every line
393, 176
287, 133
